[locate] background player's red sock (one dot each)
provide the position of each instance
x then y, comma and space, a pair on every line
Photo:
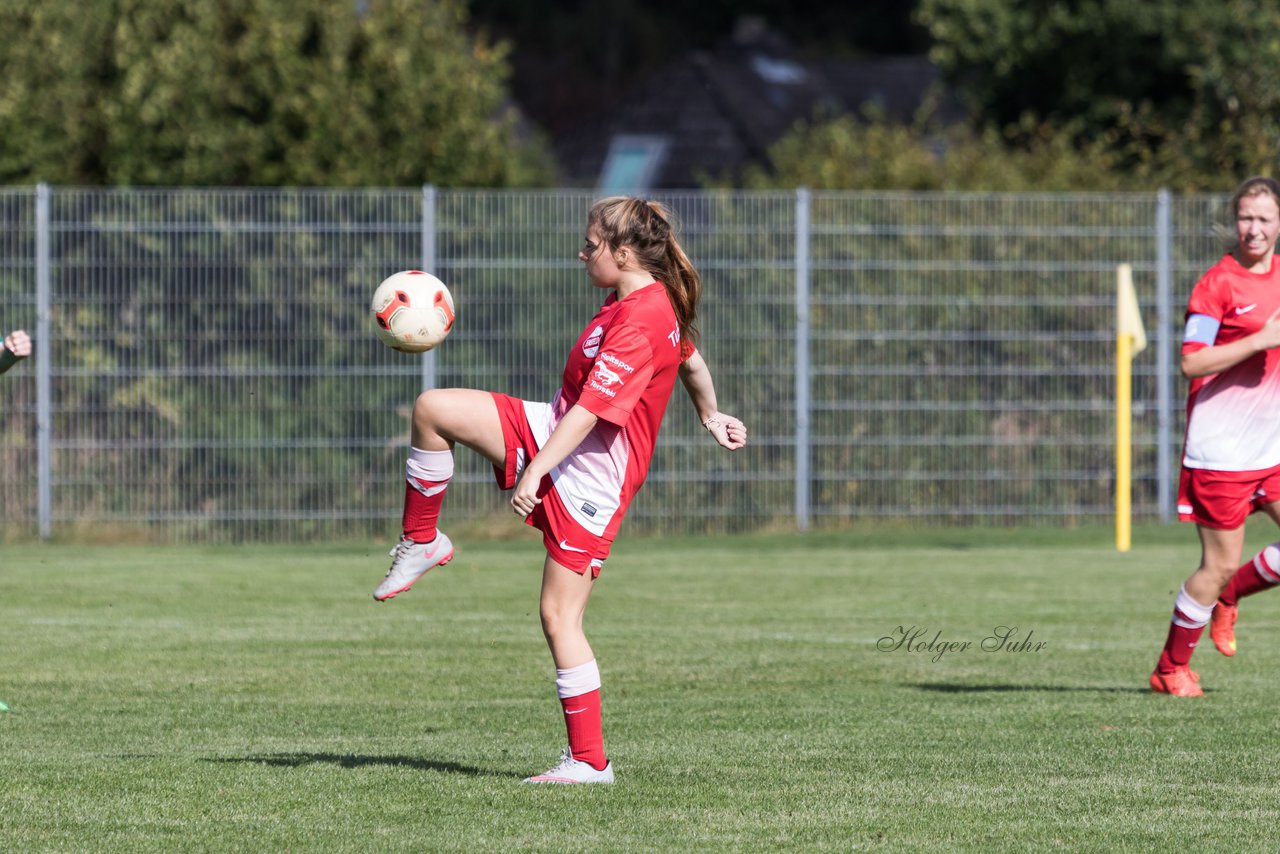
1189, 620
579, 690
1261, 573
427, 475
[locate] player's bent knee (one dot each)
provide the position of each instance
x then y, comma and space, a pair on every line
430, 409
1220, 574
427, 403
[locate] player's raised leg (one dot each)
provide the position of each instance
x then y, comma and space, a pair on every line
563, 603
441, 418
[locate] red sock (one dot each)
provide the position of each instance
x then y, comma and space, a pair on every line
1178, 647
427, 475
1188, 622
586, 732
422, 500
1255, 576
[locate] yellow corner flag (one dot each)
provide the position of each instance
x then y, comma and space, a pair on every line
1131, 339
1128, 318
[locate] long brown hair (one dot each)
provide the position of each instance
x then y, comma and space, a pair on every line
647, 227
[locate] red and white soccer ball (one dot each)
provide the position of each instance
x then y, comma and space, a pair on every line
412, 311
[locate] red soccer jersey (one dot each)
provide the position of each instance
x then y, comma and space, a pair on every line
622, 368
1233, 417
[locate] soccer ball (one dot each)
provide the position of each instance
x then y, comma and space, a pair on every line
412, 311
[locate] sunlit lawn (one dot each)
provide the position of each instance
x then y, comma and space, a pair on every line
757, 697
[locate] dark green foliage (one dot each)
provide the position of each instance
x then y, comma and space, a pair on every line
1186, 91
255, 92
870, 153
1086, 95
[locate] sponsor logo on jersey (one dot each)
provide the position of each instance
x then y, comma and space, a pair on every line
1245, 309
616, 362
602, 377
606, 377
589, 508
592, 345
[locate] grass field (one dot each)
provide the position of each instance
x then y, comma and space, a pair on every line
254, 698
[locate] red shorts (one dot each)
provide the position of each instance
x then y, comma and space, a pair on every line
568, 543
1222, 499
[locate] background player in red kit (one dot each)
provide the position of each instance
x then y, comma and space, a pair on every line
575, 463
1231, 456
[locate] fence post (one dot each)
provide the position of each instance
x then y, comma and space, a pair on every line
1164, 379
429, 266
44, 367
803, 439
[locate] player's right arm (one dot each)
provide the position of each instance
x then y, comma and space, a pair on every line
568, 435
1201, 357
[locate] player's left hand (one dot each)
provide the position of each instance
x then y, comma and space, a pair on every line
727, 430
525, 498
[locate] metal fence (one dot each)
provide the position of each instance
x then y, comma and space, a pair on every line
205, 367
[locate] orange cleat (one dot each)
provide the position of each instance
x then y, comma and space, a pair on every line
1222, 629
1182, 682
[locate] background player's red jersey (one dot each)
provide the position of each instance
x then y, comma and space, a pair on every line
1233, 417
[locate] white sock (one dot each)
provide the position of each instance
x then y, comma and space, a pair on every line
1197, 615
575, 681
434, 466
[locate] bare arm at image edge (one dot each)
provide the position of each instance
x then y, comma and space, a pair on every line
16, 346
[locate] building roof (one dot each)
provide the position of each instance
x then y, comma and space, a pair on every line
714, 112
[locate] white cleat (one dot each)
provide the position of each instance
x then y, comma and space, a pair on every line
570, 770
412, 561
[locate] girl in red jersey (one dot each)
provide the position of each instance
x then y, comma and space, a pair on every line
1231, 455
575, 463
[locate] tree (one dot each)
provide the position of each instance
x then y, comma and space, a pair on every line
870, 153
1189, 89
255, 92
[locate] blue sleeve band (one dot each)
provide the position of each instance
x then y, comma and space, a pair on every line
1201, 329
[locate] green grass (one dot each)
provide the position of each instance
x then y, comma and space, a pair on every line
254, 698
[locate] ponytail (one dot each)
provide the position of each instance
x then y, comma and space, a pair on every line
646, 226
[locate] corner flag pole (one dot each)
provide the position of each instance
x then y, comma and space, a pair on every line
1131, 339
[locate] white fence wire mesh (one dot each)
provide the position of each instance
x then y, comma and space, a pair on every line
205, 367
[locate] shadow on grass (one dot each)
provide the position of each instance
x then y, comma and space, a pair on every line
349, 760
949, 688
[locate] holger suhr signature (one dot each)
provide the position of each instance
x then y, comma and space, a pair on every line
922, 640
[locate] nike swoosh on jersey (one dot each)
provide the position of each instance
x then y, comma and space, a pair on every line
1245, 309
